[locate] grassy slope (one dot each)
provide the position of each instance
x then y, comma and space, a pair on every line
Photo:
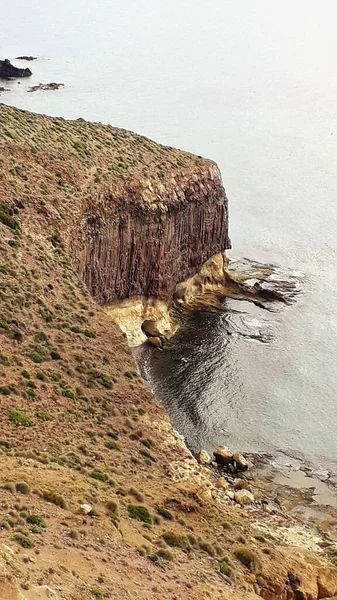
88, 428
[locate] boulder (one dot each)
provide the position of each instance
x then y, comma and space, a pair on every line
327, 583
155, 341
150, 328
85, 509
230, 494
203, 458
8, 71
223, 456
240, 463
243, 497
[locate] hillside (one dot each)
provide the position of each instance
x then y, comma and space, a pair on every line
79, 426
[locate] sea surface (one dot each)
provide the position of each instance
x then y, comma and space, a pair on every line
252, 85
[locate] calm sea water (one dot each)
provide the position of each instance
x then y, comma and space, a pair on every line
252, 85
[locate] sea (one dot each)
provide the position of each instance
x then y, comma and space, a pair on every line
253, 86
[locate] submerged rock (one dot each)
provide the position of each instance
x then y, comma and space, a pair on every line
45, 87
223, 456
203, 458
8, 71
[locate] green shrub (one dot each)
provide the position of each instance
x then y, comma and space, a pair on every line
147, 443
6, 390
25, 374
36, 520
225, 569
38, 354
6, 217
23, 540
140, 513
97, 593
41, 376
99, 475
163, 512
113, 446
69, 393
44, 415
18, 417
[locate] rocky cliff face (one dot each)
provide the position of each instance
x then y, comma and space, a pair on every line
145, 248
137, 217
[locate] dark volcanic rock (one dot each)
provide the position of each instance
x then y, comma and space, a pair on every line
7, 70
30, 58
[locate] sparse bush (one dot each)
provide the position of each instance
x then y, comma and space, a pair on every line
165, 553
136, 494
113, 507
207, 547
175, 540
22, 488
163, 512
140, 513
245, 556
54, 498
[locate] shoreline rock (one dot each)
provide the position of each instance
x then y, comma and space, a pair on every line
45, 87
9, 71
28, 58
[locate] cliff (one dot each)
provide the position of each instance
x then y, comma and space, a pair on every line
137, 217
99, 497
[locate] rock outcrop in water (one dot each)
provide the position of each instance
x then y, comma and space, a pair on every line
8, 71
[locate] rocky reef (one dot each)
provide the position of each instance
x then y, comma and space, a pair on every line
9, 71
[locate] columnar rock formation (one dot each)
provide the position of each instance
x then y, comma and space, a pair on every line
144, 246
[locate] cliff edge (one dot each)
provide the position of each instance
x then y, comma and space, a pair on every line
137, 217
